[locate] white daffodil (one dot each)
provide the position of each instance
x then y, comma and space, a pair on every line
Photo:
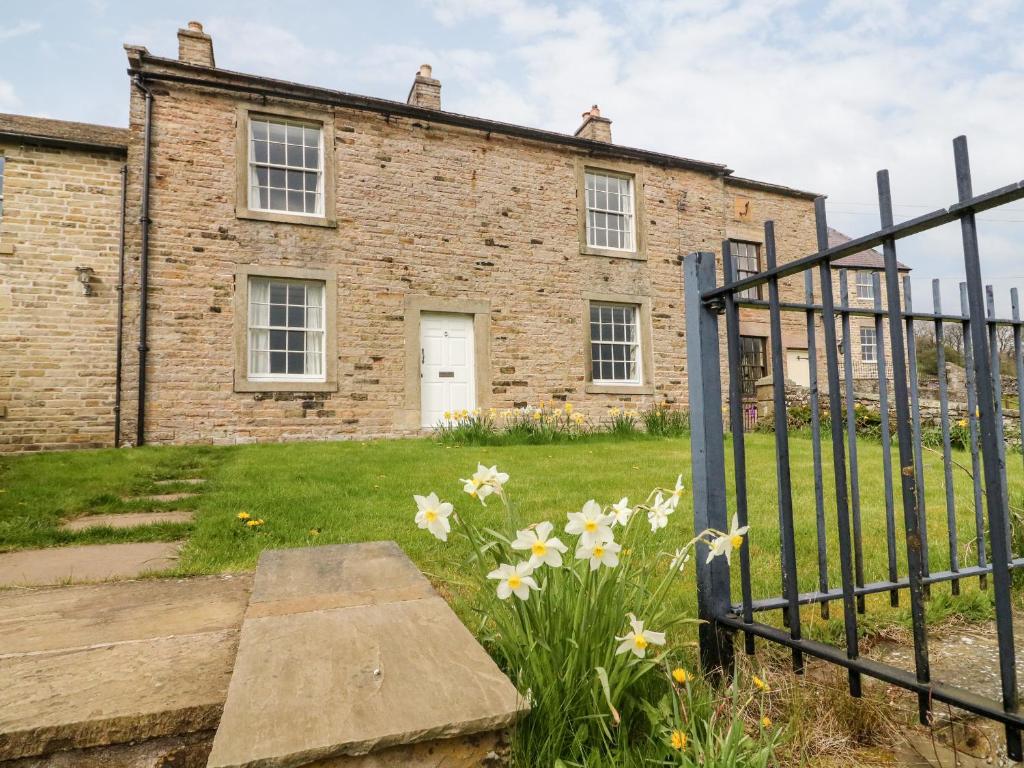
679, 560
621, 512
433, 515
727, 542
677, 493
638, 639
600, 553
658, 513
477, 488
543, 550
492, 476
514, 580
591, 525
484, 482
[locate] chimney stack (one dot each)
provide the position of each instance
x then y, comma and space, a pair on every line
195, 46
425, 91
595, 127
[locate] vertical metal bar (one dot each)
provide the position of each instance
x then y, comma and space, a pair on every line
973, 433
851, 437
736, 425
915, 417
815, 404
997, 396
707, 447
1018, 355
883, 410
995, 492
835, 409
787, 540
947, 444
908, 477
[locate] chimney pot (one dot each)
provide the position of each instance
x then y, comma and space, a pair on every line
425, 91
595, 127
195, 46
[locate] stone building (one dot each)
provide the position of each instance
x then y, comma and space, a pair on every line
315, 264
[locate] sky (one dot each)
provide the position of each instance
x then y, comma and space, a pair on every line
816, 95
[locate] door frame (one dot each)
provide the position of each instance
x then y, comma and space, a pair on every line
410, 415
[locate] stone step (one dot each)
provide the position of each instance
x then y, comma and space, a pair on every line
181, 481
345, 659
162, 496
127, 520
141, 667
93, 562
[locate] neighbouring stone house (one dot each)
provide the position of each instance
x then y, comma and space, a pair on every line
321, 265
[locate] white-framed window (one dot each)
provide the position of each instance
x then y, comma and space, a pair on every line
615, 344
868, 345
286, 329
1, 185
286, 166
865, 284
746, 259
610, 211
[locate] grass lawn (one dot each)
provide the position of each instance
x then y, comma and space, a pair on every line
319, 493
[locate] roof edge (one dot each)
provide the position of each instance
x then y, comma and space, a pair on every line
767, 186
53, 141
156, 68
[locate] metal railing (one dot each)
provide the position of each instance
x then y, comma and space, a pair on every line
897, 375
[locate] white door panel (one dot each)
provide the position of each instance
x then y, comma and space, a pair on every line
798, 368
447, 375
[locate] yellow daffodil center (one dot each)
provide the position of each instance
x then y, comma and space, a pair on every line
431, 515
761, 684
514, 581
590, 526
680, 675
640, 641
598, 551
539, 548
737, 542
678, 740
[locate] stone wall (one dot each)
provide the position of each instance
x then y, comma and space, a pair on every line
423, 210
61, 211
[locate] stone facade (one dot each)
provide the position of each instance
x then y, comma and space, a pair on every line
425, 211
61, 217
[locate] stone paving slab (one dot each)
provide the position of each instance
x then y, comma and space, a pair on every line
181, 481
347, 650
161, 497
126, 520
93, 665
94, 562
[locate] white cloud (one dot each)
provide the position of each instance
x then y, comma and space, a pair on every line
9, 101
19, 29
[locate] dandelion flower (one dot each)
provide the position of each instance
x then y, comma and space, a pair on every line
591, 525
243, 515
766, 722
514, 580
432, 514
680, 675
600, 553
543, 550
678, 741
254, 523
621, 512
760, 684
638, 639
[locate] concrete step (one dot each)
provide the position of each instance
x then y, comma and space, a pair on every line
93, 562
345, 659
162, 497
125, 673
126, 520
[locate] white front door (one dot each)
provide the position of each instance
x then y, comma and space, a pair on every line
447, 370
798, 367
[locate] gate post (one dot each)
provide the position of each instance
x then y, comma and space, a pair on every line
704, 381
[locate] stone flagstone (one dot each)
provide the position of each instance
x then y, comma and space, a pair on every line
347, 651
94, 665
93, 562
181, 481
161, 497
126, 520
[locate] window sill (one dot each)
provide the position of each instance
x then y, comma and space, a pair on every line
285, 218
262, 385
618, 389
611, 253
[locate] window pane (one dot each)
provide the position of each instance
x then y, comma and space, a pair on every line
260, 152
294, 134
277, 200
278, 339
311, 206
296, 317
277, 178
294, 155
278, 293
277, 154
312, 137
277, 362
312, 157
295, 202
259, 129
296, 363
296, 341
277, 131
296, 294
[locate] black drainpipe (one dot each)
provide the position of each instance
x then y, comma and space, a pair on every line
118, 364
140, 423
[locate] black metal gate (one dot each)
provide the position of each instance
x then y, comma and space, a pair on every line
897, 374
